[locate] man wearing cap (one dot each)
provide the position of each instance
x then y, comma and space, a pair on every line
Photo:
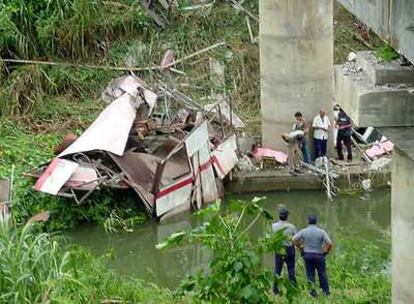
315, 244
344, 124
288, 256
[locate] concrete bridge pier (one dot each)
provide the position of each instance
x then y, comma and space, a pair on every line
296, 63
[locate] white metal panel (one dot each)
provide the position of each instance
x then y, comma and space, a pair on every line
208, 180
196, 139
174, 195
225, 157
109, 132
55, 176
226, 113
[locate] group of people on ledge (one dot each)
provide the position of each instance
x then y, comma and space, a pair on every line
297, 139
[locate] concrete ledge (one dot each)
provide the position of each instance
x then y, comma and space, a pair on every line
381, 73
370, 105
268, 181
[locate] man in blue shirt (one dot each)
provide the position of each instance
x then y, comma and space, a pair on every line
288, 256
315, 244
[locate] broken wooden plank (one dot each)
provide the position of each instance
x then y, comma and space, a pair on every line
237, 4
249, 28
361, 152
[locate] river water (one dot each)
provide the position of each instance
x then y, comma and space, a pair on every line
134, 253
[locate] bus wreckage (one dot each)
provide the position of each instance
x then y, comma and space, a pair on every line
173, 154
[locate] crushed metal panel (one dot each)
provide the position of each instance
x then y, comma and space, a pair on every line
83, 178
196, 139
140, 171
109, 132
55, 176
225, 157
208, 180
226, 113
174, 195
176, 167
128, 84
4, 190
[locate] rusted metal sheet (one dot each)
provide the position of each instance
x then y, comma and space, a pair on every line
140, 170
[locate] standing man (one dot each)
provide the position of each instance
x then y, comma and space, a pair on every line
291, 139
315, 244
288, 256
320, 126
344, 124
302, 124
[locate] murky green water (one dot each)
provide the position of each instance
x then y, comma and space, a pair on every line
134, 253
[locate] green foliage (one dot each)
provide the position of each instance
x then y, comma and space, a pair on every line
75, 28
31, 266
235, 272
387, 53
35, 269
115, 223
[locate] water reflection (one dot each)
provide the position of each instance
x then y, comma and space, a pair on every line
134, 253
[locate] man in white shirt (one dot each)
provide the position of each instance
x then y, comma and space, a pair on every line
320, 126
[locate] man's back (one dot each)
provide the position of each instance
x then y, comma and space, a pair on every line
290, 230
314, 239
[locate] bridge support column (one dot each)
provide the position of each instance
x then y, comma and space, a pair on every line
296, 63
402, 220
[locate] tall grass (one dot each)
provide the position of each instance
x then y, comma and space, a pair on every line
31, 266
35, 269
70, 28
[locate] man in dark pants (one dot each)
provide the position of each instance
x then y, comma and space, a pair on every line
315, 244
288, 256
302, 124
344, 124
320, 125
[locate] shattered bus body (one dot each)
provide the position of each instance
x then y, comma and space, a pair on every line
173, 163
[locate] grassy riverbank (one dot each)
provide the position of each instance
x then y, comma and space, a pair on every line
37, 267
34, 268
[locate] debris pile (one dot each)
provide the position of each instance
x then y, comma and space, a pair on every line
173, 152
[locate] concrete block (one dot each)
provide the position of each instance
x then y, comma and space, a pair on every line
381, 73
402, 222
369, 105
402, 27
